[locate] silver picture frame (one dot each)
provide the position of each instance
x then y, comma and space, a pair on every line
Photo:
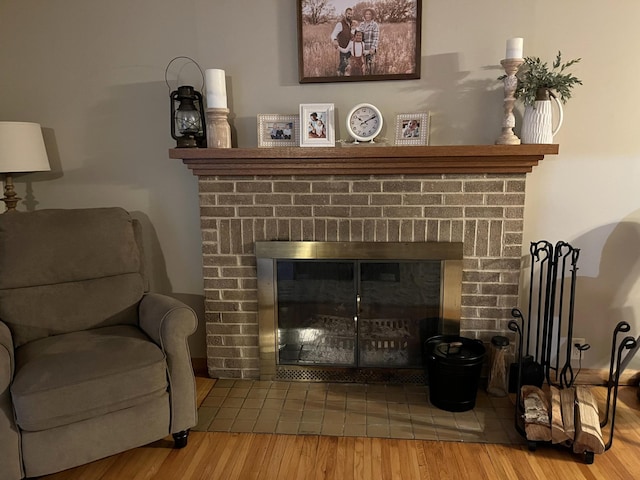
276, 130
413, 128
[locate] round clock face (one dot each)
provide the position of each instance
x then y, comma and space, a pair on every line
364, 122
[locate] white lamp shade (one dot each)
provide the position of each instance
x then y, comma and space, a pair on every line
22, 148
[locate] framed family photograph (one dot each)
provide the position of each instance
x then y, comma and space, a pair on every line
317, 125
349, 41
412, 129
278, 130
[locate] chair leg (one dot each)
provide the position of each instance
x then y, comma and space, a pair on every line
180, 439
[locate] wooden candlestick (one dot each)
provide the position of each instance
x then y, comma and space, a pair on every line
510, 66
218, 129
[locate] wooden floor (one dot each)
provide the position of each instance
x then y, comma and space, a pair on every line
263, 456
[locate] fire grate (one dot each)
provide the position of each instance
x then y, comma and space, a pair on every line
332, 340
389, 352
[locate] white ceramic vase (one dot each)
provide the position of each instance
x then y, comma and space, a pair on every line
537, 124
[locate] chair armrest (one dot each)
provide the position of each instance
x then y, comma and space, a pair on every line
10, 456
169, 323
167, 320
6, 357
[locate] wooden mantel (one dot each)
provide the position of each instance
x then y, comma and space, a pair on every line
364, 159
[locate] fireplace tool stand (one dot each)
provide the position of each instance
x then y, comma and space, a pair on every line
550, 316
550, 312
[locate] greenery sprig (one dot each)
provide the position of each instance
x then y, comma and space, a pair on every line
534, 74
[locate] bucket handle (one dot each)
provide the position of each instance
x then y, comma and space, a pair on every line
448, 346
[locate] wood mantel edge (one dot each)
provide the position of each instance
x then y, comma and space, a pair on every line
364, 160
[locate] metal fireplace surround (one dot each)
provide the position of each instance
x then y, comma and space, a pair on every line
402, 336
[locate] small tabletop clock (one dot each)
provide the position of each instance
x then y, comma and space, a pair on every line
364, 122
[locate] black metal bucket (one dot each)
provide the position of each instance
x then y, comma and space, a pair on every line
454, 365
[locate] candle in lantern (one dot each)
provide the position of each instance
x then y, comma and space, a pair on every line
216, 88
514, 47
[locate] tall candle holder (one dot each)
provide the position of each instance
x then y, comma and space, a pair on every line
510, 66
218, 129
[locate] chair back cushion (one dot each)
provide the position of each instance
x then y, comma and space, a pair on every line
68, 270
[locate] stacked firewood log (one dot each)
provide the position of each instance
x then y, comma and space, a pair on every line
568, 417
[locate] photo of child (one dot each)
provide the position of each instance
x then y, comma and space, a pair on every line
412, 128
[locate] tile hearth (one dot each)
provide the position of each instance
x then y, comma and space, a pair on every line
341, 409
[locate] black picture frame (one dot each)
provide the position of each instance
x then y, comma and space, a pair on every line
319, 60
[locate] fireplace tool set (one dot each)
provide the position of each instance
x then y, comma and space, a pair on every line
550, 317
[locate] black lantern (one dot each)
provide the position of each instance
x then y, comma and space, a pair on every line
187, 118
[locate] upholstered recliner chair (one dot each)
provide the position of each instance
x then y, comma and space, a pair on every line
90, 364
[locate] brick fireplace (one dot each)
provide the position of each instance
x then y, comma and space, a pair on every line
383, 194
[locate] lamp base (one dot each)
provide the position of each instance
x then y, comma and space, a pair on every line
10, 198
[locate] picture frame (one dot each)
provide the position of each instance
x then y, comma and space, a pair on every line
413, 128
276, 130
384, 32
317, 125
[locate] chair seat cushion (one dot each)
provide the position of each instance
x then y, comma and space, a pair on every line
71, 377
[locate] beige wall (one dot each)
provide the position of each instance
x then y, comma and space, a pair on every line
92, 73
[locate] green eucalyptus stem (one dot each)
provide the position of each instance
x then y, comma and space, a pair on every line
534, 74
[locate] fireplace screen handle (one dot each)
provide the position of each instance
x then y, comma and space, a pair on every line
355, 317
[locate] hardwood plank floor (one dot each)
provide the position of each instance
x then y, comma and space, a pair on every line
212, 455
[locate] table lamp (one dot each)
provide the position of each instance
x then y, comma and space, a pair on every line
21, 150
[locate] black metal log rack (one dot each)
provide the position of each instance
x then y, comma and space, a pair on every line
550, 316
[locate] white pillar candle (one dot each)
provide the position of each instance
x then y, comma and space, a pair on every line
514, 48
216, 88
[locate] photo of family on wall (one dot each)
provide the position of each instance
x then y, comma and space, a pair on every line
347, 40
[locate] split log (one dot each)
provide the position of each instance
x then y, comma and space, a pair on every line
588, 436
558, 433
537, 423
568, 406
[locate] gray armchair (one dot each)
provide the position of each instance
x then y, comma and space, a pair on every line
90, 364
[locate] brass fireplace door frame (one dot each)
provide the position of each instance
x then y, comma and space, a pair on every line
267, 253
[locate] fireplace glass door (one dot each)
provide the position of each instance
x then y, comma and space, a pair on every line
356, 313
